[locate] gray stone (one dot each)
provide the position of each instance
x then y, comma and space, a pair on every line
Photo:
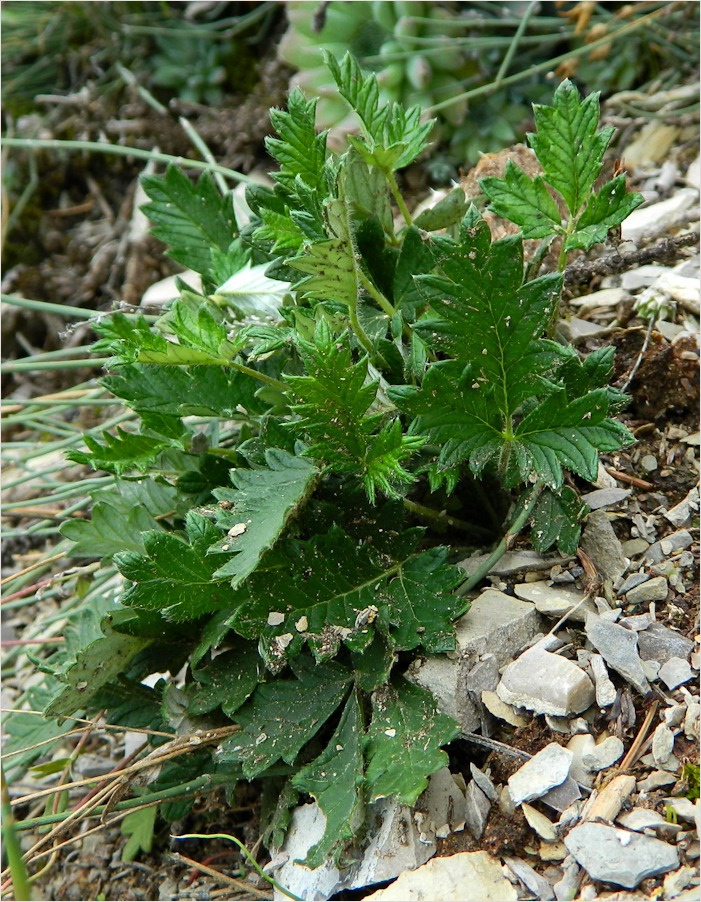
676, 541
561, 797
484, 782
548, 768
476, 810
538, 822
497, 624
515, 562
306, 828
566, 888
655, 780
619, 856
662, 745
604, 754
659, 643
654, 589
631, 581
635, 547
605, 689
619, 648
443, 803
681, 514
603, 498
500, 709
637, 622
546, 683
675, 672
531, 879
581, 745
601, 544
639, 819
641, 276
608, 297
684, 808
556, 601
650, 221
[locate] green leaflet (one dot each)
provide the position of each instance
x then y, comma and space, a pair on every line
300, 151
192, 218
280, 718
176, 577
570, 148
335, 780
121, 452
138, 826
225, 682
557, 520
257, 510
404, 742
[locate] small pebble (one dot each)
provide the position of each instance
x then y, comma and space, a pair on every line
675, 672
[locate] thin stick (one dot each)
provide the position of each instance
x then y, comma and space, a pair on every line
212, 872
632, 480
637, 743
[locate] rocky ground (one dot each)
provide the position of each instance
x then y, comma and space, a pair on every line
576, 680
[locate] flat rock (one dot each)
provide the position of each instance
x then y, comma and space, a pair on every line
515, 562
660, 643
601, 544
654, 589
682, 513
496, 624
619, 856
548, 768
581, 745
684, 808
306, 828
655, 780
443, 803
603, 686
639, 819
604, 754
531, 879
464, 877
662, 745
484, 782
676, 541
603, 498
675, 672
538, 822
556, 601
648, 222
546, 683
619, 648
561, 797
476, 809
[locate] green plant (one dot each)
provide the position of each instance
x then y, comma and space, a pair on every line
264, 514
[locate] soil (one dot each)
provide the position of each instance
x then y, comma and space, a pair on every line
72, 246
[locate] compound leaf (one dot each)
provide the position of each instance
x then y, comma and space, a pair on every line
227, 681
404, 742
605, 210
557, 520
525, 201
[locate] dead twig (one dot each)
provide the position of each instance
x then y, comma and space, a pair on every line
666, 251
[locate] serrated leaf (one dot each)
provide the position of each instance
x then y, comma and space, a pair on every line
283, 715
121, 452
258, 509
449, 210
556, 519
190, 217
226, 682
138, 826
417, 257
525, 201
96, 664
119, 516
559, 434
334, 402
569, 145
605, 210
335, 780
334, 589
185, 391
404, 742
330, 269
175, 576
300, 151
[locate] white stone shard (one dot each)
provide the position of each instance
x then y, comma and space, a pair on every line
547, 769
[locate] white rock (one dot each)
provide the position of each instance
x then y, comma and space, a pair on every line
496, 624
639, 819
556, 601
684, 808
675, 672
648, 222
605, 689
604, 498
675, 883
580, 745
662, 745
604, 754
546, 683
306, 828
681, 514
655, 780
546, 769
464, 877
619, 648
618, 856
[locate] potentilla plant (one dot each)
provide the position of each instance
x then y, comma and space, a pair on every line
277, 516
